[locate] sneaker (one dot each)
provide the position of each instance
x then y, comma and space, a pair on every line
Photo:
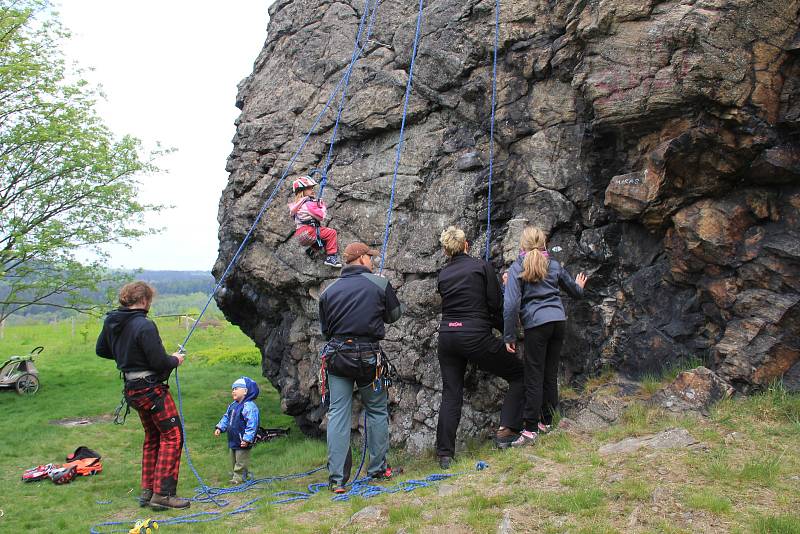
144, 498
333, 260
444, 462
526, 437
387, 474
337, 488
504, 438
168, 501
544, 429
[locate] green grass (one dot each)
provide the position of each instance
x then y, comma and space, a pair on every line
704, 499
560, 485
782, 524
575, 501
77, 384
633, 489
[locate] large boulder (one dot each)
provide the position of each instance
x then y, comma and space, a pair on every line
655, 140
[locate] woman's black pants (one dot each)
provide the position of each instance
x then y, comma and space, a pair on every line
542, 354
486, 351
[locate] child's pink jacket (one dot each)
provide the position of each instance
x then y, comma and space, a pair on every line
307, 210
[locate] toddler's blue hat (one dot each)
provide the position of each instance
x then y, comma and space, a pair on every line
239, 383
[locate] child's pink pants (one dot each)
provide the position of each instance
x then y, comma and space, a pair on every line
307, 235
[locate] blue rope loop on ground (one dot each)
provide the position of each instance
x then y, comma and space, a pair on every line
400, 142
491, 129
197, 517
358, 51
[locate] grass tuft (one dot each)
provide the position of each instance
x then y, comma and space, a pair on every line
705, 499
780, 524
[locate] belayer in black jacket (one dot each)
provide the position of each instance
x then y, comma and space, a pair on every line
472, 303
132, 340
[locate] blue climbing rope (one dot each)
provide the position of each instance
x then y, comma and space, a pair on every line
491, 128
340, 86
198, 517
363, 488
204, 489
358, 50
400, 142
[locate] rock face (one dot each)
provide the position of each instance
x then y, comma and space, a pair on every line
655, 141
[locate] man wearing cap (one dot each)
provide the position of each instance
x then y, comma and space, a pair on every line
352, 313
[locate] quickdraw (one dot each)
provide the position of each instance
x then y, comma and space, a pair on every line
385, 372
323, 379
119, 416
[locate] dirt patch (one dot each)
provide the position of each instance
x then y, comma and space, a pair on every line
83, 421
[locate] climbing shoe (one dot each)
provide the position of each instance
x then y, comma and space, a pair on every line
504, 438
526, 437
168, 501
387, 474
444, 462
544, 429
337, 488
144, 498
333, 260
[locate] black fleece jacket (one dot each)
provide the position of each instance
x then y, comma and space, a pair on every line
132, 340
472, 298
358, 304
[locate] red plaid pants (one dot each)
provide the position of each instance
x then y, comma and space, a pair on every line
163, 437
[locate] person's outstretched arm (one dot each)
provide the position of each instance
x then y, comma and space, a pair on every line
157, 358
394, 309
572, 286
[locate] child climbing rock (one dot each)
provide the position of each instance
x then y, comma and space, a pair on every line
241, 423
308, 215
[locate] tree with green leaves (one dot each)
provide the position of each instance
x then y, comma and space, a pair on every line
67, 185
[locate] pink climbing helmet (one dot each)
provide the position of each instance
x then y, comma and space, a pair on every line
304, 182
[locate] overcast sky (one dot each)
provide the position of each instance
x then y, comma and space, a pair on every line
169, 70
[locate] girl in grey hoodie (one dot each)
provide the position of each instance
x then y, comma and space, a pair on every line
532, 294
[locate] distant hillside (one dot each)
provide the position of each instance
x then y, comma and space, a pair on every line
177, 292
177, 282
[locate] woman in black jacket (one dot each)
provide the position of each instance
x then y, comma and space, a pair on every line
472, 303
132, 340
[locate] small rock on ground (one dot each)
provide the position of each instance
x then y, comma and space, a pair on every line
668, 439
369, 515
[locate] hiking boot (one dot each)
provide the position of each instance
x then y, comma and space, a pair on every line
543, 428
387, 474
337, 488
445, 461
526, 437
168, 501
504, 438
144, 498
333, 260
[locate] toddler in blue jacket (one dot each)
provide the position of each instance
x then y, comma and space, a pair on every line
240, 421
